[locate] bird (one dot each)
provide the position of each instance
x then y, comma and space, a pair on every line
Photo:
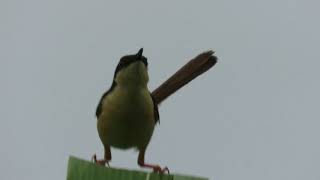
128, 112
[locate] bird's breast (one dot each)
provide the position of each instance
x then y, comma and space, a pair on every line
127, 118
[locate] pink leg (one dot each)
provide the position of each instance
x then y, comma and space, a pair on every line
156, 168
106, 159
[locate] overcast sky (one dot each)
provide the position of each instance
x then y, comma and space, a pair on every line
255, 115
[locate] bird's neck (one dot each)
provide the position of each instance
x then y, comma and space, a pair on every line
133, 87
133, 83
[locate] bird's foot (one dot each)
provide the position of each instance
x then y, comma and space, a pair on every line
158, 169
101, 162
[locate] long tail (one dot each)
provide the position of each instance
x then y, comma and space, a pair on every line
184, 75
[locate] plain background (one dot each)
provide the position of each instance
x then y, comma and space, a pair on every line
253, 116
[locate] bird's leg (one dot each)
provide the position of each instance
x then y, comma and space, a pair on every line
156, 168
106, 159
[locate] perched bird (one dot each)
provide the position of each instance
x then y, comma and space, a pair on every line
127, 113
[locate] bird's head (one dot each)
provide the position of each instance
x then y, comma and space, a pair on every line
132, 70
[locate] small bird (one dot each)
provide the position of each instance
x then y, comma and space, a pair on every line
128, 112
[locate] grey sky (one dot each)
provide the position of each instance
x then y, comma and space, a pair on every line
254, 116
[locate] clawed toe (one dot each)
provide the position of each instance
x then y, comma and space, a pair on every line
160, 170
101, 162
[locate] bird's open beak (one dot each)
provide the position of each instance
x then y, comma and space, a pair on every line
139, 54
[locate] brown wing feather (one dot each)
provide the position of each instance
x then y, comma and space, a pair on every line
155, 110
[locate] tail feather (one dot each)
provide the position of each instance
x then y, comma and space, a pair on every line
184, 75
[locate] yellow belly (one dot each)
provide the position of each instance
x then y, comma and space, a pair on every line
127, 119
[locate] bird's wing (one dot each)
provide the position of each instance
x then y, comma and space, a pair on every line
155, 110
99, 107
